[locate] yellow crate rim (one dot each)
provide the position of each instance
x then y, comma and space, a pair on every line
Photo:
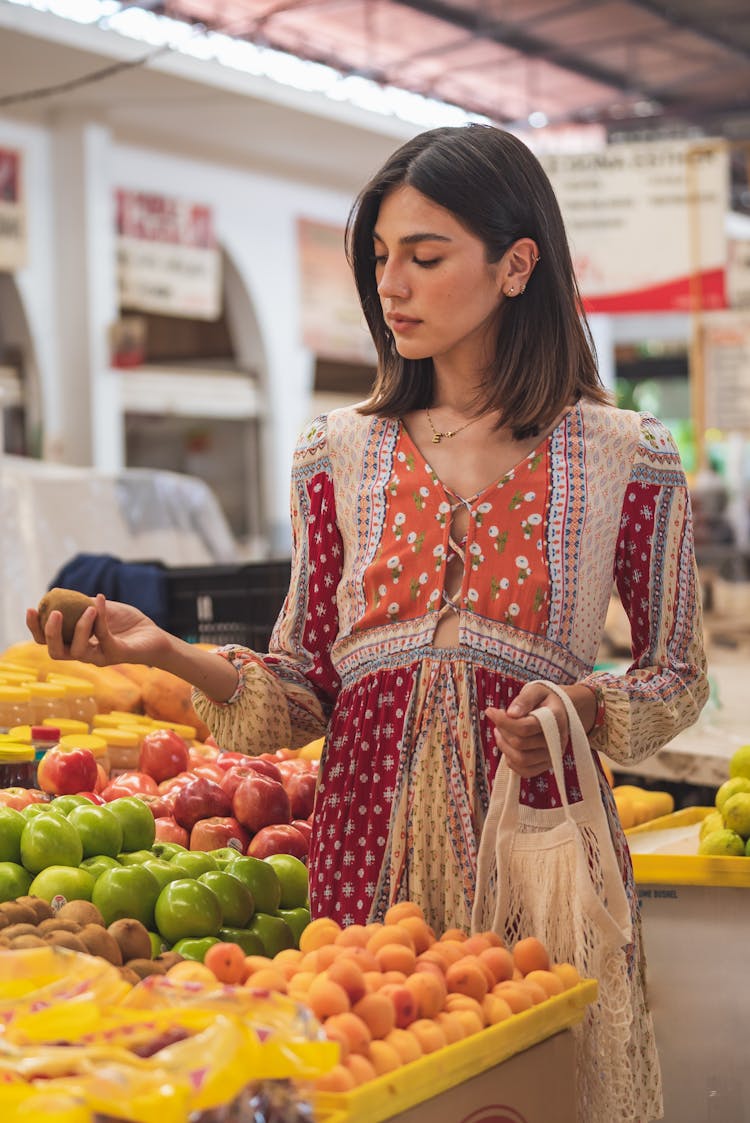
429, 1076
687, 869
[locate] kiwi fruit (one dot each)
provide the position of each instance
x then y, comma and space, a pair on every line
62, 939
42, 909
98, 941
14, 930
145, 967
54, 924
81, 912
129, 975
168, 959
133, 938
16, 913
70, 603
28, 941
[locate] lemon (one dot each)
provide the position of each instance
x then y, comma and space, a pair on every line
714, 821
739, 764
730, 788
737, 814
722, 844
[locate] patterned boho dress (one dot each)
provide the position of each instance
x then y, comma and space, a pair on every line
410, 757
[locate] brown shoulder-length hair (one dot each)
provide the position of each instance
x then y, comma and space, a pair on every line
493, 184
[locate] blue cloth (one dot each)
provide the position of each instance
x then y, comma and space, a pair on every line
142, 584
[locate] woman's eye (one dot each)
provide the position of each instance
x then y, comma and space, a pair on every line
426, 263
379, 258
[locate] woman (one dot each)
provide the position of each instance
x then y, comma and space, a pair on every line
455, 538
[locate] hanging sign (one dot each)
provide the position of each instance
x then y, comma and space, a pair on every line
646, 224
726, 360
168, 261
12, 212
332, 323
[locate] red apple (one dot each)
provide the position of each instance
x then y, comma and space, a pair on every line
281, 838
239, 772
67, 771
92, 797
21, 797
209, 771
200, 799
171, 787
130, 783
102, 779
260, 801
218, 831
163, 754
159, 805
300, 787
229, 759
304, 826
169, 830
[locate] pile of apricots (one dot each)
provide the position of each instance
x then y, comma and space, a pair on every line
390, 993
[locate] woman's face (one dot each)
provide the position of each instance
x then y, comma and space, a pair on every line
438, 293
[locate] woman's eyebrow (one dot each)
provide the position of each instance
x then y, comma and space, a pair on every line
412, 239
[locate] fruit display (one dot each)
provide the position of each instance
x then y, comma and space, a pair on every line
725, 831
636, 805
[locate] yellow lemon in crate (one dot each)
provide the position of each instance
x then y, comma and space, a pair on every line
739, 764
714, 821
730, 788
737, 814
722, 844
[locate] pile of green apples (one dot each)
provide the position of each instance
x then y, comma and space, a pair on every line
725, 831
70, 849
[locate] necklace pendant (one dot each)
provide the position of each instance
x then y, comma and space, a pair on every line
437, 438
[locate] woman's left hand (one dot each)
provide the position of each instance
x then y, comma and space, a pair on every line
519, 736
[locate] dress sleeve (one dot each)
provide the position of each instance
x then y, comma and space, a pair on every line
666, 685
284, 697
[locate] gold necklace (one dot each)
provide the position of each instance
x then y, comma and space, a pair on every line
437, 436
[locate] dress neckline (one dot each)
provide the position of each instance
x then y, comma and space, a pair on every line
499, 481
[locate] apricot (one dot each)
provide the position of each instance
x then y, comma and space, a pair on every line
467, 976
401, 909
327, 955
471, 1022
450, 950
383, 1057
373, 980
432, 956
364, 959
309, 962
453, 934
495, 1009
405, 1044
530, 954
567, 973
392, 978
326, 998
288, 961
422, 935
518, 998
429, 1034
548, 980
404, 1003
429, 967
360, 1068
389, 934
451, 1026
476, 944
494, 940
269, 978
299, 984
227, 961
499, 961
352, 1029
255, 963
190, 971
337, 1079
377, 1012
456, 1002
338, 1036
318, 933
348, 975
356, 935
396, 957
535, 989
429, 991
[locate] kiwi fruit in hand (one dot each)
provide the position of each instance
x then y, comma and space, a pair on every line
71, 604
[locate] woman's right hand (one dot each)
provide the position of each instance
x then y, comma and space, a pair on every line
108, 632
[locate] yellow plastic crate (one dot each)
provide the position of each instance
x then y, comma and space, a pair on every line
686, 869
431, 1075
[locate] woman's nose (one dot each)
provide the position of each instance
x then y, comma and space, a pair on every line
392, 282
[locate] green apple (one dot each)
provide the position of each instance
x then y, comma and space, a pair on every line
64, 804
250, 942
137, 822
98, 864
164, 872
98, 828
261, 880
63, 883
187, 908
126, 892
297, 919
14, 881
33, 810
11, 825
235, 898
134, 857
223, 856
190, 948
274, 933
193, 862
167, 850
292, 875
50, 840
158, 944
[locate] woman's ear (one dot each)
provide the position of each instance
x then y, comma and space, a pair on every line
518, 264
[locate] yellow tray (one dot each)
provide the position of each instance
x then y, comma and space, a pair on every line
429, 1076
686, 869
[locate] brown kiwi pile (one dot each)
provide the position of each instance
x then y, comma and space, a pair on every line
31, 922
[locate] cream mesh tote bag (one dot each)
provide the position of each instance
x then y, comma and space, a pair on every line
553, 874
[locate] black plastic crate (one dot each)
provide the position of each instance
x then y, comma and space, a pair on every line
227, 603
